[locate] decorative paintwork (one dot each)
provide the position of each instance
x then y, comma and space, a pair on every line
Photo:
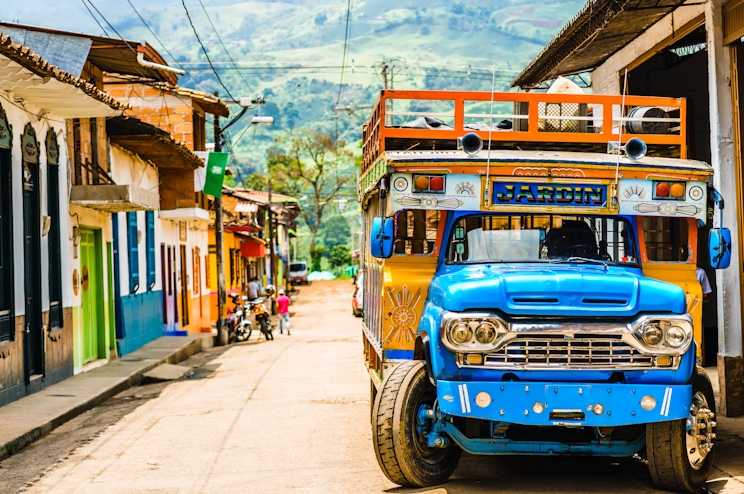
6, 130
637, 198
403, 315
30, 145
461, 192
52, 148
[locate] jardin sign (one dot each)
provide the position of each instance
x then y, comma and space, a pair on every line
216, 164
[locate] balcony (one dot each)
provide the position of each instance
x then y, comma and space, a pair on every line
93, 188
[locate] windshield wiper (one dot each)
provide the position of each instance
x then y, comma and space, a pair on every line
583, 259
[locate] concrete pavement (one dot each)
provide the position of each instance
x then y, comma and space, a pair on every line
293, 415
26, 420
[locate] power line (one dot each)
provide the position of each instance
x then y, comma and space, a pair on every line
94, 18
193, 28
346, 46
225, 48
136, 67
165, 48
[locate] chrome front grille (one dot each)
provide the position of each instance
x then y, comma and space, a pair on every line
579, 352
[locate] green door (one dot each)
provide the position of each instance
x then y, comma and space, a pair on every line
92, 301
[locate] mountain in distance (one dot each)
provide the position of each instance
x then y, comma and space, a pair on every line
291, 51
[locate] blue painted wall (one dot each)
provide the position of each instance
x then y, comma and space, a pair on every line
141, 319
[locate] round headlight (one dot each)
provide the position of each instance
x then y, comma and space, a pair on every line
675, 336
652, 335
485, 333
462, 333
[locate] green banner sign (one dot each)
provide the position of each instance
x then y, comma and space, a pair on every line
216, 164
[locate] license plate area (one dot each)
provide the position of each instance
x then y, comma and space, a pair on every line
565, 398
567, 415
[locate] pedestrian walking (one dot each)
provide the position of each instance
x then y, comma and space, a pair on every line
282, 304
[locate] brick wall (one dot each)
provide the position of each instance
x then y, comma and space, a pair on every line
80, 147
163, 109
176, 189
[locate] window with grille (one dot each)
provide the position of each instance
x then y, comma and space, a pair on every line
416, 232
667, 239
133, 248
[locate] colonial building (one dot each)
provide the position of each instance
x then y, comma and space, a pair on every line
692, 50
46, 265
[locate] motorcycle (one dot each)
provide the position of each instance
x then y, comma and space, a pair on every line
262, 314
238, 324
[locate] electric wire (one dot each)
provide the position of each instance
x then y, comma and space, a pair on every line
136, 67
225, 48
175, 60
346, 46
204, 50
95, 18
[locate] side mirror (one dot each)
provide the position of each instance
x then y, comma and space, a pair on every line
381, 238
719, 239
719, 248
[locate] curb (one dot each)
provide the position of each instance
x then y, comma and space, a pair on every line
191, 348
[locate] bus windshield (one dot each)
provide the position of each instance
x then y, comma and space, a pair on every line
541, 238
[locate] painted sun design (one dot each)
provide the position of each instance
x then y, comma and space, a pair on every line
403, 316
465, 189
635, 190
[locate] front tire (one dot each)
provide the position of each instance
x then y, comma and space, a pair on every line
679, 459
401, 451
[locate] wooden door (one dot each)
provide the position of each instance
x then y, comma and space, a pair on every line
34, 338
185, 319
91, 296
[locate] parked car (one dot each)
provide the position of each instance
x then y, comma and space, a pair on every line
357, 300
298, 273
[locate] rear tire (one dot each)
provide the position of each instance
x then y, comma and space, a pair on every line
676, 460
401, 452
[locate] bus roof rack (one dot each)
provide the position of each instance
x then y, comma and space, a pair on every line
405, 120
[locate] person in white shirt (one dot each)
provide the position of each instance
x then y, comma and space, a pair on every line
704, 283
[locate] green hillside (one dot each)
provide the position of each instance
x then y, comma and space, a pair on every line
291, 51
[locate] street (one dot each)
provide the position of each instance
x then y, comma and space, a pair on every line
267, 417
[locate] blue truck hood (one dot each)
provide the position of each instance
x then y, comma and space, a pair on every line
539, 289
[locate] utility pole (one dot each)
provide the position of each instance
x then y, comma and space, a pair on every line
219, 238
384, 74
272, 244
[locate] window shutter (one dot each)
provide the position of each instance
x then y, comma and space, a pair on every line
150, 217
133, 253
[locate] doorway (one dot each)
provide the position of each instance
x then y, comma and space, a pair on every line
34, 337
91, 307
167, 275
185, 319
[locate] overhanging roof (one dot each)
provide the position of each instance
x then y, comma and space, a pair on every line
600, 29
109, 54
151, 144
28, 76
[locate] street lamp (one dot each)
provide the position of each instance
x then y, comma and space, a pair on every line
219, 234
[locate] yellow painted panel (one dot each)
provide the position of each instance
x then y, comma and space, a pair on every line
684, 276
406, 287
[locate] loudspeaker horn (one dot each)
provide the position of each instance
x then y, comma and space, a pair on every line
470, 143
635, 148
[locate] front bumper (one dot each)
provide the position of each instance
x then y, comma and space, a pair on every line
564, 404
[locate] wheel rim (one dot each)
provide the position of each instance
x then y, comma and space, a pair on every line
700, 428
427, 454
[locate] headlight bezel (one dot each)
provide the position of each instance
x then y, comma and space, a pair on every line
451, 320
664, 323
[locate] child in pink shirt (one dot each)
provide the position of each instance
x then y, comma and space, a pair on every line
282, 308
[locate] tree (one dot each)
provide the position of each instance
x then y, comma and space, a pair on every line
339, 256
255, 181
336, 230
310, 163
